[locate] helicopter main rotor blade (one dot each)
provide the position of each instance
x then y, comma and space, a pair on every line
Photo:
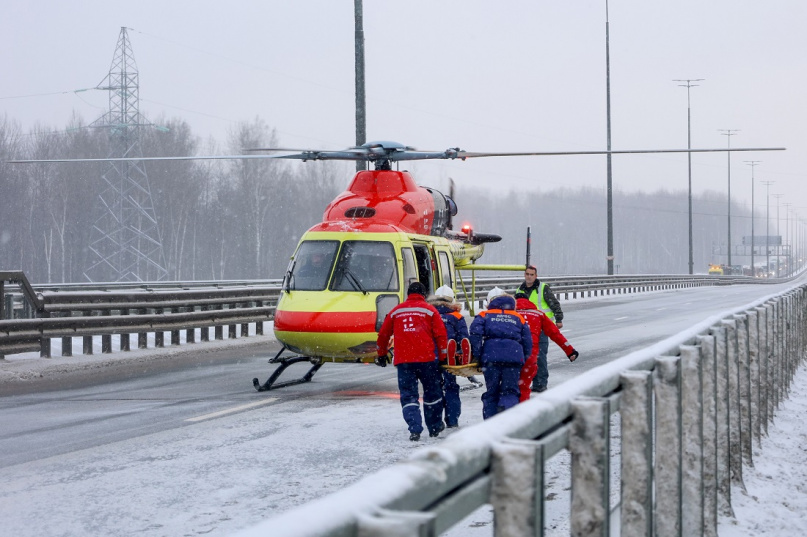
147, 159
387, 152
470, 154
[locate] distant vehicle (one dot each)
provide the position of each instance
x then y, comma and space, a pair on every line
715, 270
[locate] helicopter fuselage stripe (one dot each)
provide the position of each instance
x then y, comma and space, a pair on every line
325, 321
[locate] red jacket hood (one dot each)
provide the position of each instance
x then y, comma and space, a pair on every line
525, 304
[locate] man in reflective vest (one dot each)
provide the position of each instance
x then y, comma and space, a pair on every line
544, 299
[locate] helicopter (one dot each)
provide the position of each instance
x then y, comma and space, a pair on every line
381, 234
378, 236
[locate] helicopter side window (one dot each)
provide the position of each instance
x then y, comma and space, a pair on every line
410, 269
366, 266
311, 266
445, 270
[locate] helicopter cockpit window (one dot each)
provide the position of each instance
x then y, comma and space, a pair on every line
366, 266
311, 266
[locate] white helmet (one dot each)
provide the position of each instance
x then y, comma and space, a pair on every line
493, 293
445, 291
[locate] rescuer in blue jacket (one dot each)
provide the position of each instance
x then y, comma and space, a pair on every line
456, 329
501, 338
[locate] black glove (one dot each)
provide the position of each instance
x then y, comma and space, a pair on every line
381, 361
573, 355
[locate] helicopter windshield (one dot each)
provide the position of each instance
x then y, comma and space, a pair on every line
312, 265
366, 266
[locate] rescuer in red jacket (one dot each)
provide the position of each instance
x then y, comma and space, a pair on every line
419, 335
538, 323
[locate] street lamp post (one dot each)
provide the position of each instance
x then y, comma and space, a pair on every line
767, 227
728, 133
753, 164
788, 235
689, 84
778, 227
609, 190
361, 105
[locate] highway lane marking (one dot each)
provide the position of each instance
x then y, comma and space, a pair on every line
620, 318
232, 410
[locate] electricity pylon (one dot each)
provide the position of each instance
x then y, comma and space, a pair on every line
125, 238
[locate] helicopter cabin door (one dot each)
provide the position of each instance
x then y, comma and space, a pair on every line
425, 264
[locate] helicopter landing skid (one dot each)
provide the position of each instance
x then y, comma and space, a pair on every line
285, 363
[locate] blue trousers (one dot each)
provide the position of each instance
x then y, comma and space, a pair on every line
542, 378
451, 391
429, 375
502, 388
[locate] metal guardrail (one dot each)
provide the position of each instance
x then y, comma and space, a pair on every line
123, 310
690, 408
36, 315
572, 287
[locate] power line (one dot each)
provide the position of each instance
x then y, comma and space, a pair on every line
46, 94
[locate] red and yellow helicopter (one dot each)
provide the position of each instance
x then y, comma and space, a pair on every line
350, 270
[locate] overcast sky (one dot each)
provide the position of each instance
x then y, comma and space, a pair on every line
481, 75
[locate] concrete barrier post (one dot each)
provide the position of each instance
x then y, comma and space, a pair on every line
787, 348
735, 445
776, 382
753, 373
691, 442
743, 370
768, 365
667, 468
760, 379
589, 444
800, 321
791, 341
517, 488
722, 428
709, 397
636, 411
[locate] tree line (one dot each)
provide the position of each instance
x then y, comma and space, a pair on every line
651, 234
241, 219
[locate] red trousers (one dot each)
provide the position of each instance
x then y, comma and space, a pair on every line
528, 372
